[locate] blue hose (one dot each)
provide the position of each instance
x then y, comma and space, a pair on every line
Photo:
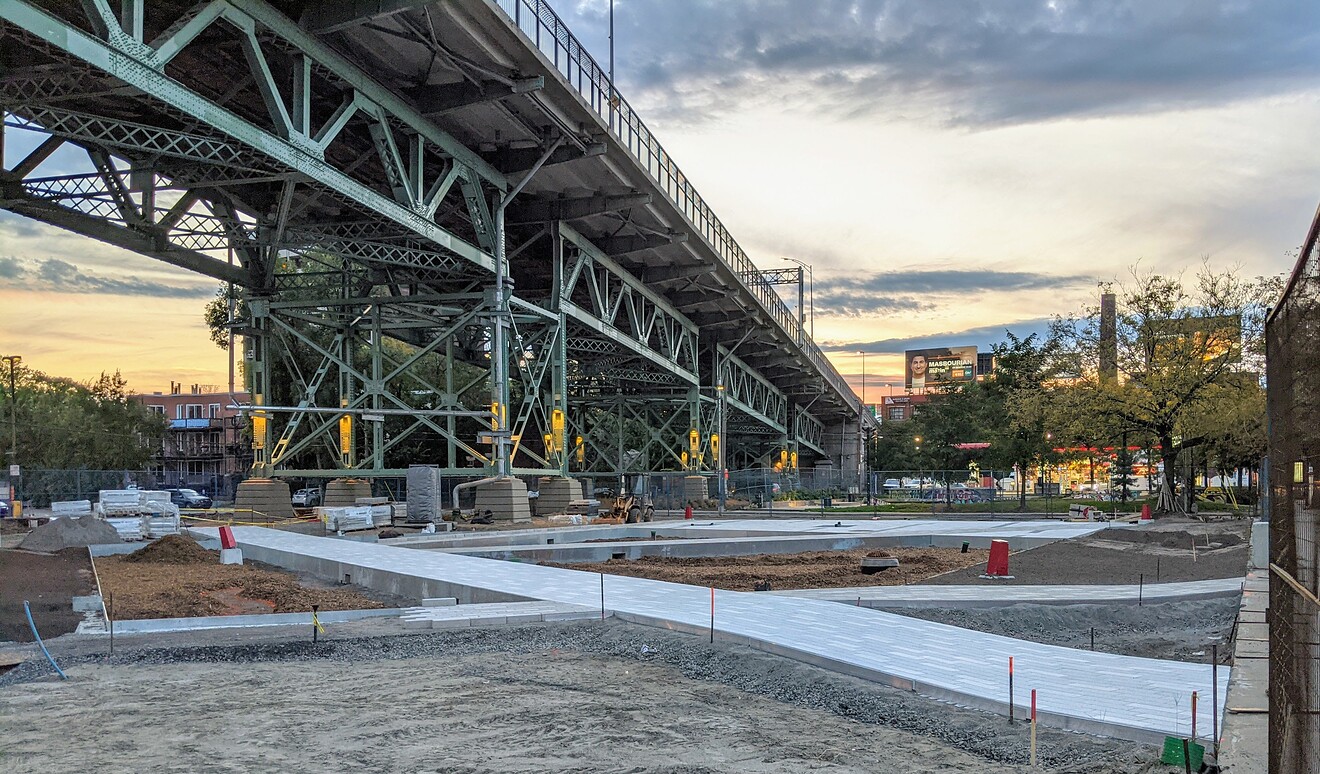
31, 623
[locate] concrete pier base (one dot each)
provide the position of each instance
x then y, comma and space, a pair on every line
344, 492
695, 489
263, 498
556, 494
506, 499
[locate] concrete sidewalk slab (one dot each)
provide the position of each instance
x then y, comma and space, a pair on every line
1132, 698
990, 595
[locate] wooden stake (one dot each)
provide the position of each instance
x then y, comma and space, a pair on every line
602, 596
1033, 727
1010, 689
1214, 692
712, 614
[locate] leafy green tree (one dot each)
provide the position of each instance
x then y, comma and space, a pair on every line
1185, 355
66, 424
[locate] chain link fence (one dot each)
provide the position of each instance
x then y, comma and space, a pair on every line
1293, 371
39, 487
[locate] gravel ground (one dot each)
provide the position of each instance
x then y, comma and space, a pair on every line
806, 570
628, 705
1180, 631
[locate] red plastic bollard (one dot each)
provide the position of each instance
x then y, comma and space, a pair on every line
227, 538
687, 512
1145, 512
998, 564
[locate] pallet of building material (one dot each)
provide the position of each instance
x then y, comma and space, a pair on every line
73, 508
381, 515
346, 518
160, 526
583, 507
128, 527
118, 502
424, 494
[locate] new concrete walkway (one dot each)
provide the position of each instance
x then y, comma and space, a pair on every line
1133, 698
991, 595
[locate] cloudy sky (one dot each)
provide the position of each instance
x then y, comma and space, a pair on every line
950, 169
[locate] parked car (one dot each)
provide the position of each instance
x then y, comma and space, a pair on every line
307, 498
893, 483
189, 498
4, 509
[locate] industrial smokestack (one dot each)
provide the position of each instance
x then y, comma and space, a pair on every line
1108, 337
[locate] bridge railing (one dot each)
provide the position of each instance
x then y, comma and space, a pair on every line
543, 27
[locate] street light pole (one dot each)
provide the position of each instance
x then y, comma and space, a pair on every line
810, 319
863, 354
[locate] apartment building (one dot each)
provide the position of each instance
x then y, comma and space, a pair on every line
205, 447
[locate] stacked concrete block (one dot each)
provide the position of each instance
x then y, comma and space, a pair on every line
344, 492
695, 489
556, 495
262, 498
506, 499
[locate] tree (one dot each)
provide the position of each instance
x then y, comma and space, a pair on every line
1185, 355
65, 424
1024, 407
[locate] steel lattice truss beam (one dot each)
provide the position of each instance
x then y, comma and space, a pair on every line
605, 300
751, 393
808, 431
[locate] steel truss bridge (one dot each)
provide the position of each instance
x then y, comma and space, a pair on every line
446, 206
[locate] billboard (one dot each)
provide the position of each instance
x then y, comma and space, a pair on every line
938, 367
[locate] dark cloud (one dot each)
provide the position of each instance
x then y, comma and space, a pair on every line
983, 338
10, 268
61, 276
887, 293
973, 62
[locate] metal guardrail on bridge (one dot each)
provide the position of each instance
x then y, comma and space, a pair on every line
543, 27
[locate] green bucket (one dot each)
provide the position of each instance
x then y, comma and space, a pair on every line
1173, 753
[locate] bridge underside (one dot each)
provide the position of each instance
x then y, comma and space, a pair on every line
438, 220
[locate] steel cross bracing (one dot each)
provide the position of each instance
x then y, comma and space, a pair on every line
360, 225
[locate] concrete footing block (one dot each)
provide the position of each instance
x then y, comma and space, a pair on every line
450, 623
231, 556
439, 602
417, 623
506, 499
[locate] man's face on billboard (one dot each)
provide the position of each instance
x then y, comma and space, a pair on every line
918, 366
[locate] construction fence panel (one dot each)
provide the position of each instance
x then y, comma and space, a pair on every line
1293, 394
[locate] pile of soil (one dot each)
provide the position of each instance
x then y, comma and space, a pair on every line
179, 579
58, 534
48, 582
807, 570
173, 549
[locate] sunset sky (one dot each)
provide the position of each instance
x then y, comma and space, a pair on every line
949, 169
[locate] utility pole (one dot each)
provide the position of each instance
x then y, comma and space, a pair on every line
13, 361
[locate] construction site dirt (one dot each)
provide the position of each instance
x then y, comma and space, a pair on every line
601, 696
48, 582
174, 578
1161, 553
807, 570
